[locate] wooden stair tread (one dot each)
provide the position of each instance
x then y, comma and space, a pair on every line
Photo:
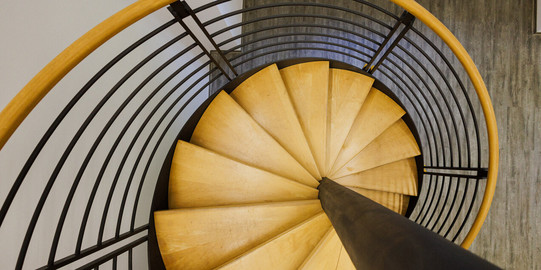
200, 177
308, 88
227, 129
344, 262
377, 113
326, 254
285, 251
396, 177
204, 238
395, 143
264, 96
348, 91
393, 201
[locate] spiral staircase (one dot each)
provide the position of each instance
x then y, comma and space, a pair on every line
316, 141
243, 192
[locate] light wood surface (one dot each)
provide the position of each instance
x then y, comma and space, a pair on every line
344, 262
308, 87
204, 238
377, 113
23, 103
285, 251
393, 201
396, 177
462, 55
348, 91
200, 177
227, 129
326, 254
264, 96
394, 144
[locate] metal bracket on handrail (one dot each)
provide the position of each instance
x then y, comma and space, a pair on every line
181, 10
407, 19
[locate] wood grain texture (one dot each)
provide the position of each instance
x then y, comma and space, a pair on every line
394, 144
227, 129
201, 178
326, 254
396, 177
308, 87
344, 262
285, 251
377, 114
348, 91
204, 238
264, 96
393, 201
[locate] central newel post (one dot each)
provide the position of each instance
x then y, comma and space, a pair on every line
378, 238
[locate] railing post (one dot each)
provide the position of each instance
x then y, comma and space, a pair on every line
407, 19
378, 238
181, 10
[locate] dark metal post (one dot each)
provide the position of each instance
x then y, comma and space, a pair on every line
378, 238
407, 19
179, 11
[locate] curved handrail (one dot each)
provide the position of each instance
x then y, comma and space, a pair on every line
23, 103
441, 30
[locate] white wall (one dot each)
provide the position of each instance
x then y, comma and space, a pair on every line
32, 34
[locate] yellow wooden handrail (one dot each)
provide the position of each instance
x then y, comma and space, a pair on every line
431, 21
23, 103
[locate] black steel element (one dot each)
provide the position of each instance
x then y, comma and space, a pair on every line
378, 238
407, 19
189, 10
179, 11
91, 250
471, 173
128, 247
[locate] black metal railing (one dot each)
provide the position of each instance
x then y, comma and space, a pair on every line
111, 163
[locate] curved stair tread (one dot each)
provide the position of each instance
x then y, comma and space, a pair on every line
204, 238
348, 91
344, 262
200, 177
308, 88
326, 254
396, 177
285, 251
393, 201
264, 96
377, 113
227, 129
395, 143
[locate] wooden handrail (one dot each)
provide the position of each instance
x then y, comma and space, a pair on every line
439, 28
25, 101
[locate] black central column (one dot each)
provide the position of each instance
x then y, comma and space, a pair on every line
378, 238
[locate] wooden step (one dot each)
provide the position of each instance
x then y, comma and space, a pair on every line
377, 113
348, 91
264, 96
394, 144
393, 201
344, 262
227, 129
285, 251
396, 177
204, 238
308, 87
326, 254
200, 177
